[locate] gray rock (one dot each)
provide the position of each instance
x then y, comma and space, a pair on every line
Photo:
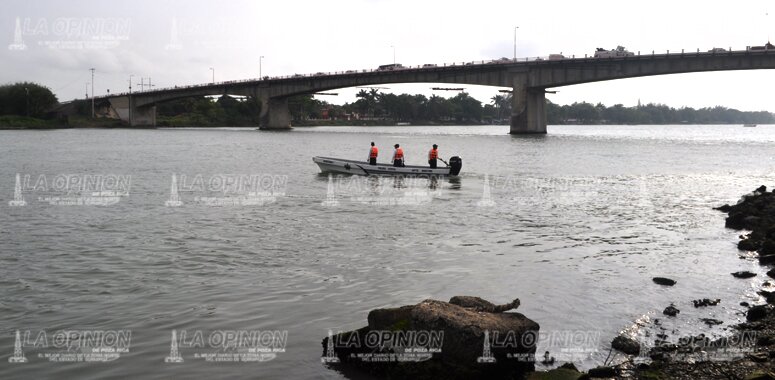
744, 274
479, 304
671, 311
706, 302
663, 281
757, 312
601, 372
627, 345
711, 322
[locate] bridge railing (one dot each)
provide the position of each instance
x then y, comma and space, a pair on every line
501, 61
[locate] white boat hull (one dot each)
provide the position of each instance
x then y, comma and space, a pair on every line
339, 165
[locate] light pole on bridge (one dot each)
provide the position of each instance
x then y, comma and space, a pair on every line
260, 75
394, 54
92, 92
515, 43
213, 70
130, 99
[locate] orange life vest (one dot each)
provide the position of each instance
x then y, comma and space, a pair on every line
399, 154
374, 152
433, 154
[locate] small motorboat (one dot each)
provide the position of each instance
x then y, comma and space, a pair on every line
339, 165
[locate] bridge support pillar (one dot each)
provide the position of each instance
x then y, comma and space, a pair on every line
135, 116
528, 110
143, 116
275, 114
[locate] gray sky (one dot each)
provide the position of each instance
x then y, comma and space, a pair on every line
62, 40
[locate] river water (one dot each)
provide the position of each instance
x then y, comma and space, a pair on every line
574, 223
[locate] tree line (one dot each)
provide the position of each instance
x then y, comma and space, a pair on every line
463, 108
34, 100
586, 113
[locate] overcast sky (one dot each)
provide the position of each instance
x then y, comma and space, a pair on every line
63, 39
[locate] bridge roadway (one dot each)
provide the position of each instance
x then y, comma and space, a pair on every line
528, 80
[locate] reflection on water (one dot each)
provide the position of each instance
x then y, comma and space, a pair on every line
577, 223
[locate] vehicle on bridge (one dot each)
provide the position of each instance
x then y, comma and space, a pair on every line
767, 46
556, 57
717, 50
392, 66
620, 51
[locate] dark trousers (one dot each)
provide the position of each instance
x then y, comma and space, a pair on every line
372, 160
398, 162
432, 163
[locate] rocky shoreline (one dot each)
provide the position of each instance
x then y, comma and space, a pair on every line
470, 325
749, 353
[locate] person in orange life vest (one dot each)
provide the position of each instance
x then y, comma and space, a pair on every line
398, 156
433, 154
373, 154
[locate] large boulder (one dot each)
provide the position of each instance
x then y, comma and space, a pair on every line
465, 342
627, 345
757, 312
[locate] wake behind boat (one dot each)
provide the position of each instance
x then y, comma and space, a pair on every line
340, 165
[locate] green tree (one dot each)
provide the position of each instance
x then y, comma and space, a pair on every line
26, 99
584, 113
466, 108
502, 104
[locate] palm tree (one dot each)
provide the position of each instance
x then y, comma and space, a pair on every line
370, 99
497, 101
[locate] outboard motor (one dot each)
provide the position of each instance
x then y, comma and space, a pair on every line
455, 164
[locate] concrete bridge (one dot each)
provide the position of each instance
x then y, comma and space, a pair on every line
528, 80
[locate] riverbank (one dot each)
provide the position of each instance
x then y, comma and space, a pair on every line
747, 353
10, 122
24, 122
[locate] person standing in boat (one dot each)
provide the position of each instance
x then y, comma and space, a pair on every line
433, 154
398, 156
373, 152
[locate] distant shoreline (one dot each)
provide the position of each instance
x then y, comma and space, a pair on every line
25, 123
